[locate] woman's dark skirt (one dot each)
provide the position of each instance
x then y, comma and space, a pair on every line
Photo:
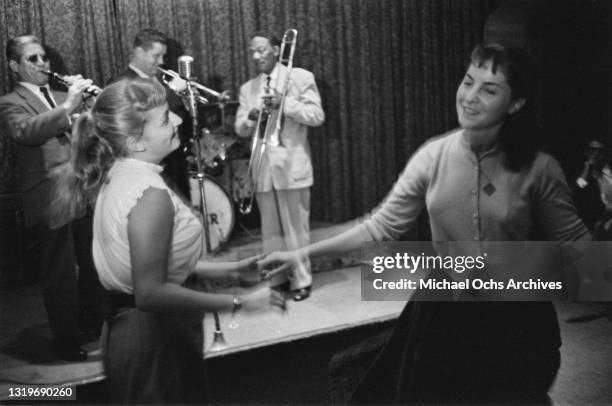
154, 358
466, 353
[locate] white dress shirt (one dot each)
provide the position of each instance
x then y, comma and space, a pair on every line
36, 90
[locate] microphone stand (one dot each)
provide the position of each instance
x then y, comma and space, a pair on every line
218, 338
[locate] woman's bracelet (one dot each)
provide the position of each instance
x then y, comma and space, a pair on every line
237, 303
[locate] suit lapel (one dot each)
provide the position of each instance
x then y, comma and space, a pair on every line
255, 92
281, 76
31, 99
37, 106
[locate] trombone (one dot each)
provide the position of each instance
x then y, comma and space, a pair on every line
273, 124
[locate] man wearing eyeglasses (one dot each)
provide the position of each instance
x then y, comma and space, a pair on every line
37, 119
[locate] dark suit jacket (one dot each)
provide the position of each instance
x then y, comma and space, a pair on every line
42, 144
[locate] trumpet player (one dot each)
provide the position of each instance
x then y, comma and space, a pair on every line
148, 52
283, 187
38, 121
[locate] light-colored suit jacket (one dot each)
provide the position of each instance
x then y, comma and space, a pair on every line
289, 165
42, 144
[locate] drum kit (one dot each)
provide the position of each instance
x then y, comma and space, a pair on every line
224, 158
210, 147
211, 174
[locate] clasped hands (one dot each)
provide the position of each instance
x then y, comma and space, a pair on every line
251, 274
262, 267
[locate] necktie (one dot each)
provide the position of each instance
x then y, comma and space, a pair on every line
45, 93
268, 80
264, 117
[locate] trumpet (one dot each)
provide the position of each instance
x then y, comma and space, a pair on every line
221, 96
273, 123
63, 80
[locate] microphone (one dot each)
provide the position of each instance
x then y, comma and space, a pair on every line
184, 70
595, 154
184, 66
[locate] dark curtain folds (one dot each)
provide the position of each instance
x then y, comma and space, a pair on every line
81, 35
387, 70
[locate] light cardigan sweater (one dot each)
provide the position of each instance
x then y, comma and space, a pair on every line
472, 198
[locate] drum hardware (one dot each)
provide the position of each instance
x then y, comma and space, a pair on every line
221, 219
273, 122
215, 145
184, 63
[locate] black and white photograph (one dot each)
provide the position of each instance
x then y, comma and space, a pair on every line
306, 202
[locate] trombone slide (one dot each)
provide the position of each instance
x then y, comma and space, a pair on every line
271, 135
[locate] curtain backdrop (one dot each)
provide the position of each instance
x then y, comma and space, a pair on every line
387, 70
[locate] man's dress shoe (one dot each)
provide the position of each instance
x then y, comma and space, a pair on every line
301, 294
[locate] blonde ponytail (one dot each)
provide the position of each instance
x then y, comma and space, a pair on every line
76, 183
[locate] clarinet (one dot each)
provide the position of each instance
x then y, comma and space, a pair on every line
92, 90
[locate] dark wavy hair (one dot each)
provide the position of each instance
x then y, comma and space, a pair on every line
99, 137
147, 37
519, 135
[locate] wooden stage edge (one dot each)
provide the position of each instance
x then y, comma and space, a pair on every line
334, 306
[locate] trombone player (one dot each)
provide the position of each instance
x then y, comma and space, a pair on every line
286, 175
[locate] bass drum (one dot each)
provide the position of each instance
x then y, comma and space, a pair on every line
220, 211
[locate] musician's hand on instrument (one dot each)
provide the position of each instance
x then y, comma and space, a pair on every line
253, 114
272, 100
88, 101
75, 92
177, 84
263, 298
72, 78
